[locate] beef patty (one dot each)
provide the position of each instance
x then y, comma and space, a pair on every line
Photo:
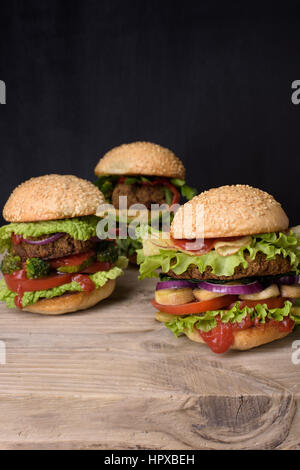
64, 246
260, 266
138, 194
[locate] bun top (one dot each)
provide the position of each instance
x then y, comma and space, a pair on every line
141, 158
229, 211
52, 197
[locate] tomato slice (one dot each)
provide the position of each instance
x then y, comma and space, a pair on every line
196, 307
200, 246
98, 266
18, 281
272, 302
73, 260
172, 188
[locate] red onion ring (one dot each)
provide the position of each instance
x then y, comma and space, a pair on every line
46, 241
95, 239
251, 288
174, 284
289, 280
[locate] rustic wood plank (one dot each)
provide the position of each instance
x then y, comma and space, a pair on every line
112, 377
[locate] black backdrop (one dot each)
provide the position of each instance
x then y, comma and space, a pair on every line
211, 83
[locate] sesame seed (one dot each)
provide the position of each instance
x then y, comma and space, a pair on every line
52, 197
233, 211
141, 158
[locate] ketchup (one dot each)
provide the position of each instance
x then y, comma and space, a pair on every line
20, 276
16, 239
286, 325
18, 299
220, 338
85, 282
19, 283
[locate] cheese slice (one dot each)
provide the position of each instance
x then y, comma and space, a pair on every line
153, 245
227, 248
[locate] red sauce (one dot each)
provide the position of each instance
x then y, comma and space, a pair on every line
18, 299
286, 325
85, 282
19, 276
220, 338
243, 325
16, 239
19, 283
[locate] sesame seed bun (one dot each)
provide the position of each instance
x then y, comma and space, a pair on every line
141, 158
250, 338
72, 302
52, 197
229, 211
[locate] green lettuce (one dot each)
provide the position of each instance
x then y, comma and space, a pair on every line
270, 244
207, 321
99, 279
186, 191
80, 228
128, 246
107, 183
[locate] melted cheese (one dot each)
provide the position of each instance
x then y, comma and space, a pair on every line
226, 248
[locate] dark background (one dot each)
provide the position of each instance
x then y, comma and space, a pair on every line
212, 83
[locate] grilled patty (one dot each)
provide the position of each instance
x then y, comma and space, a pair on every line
138, 194
260, 266
64, 246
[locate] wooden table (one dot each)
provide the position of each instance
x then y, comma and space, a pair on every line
114, 378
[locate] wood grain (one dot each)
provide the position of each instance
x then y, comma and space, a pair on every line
114, 378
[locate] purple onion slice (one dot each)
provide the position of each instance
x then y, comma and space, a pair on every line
251, 288
46, 241
174, 285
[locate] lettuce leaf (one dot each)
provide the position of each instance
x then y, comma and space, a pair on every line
270, 244
80, 228
186, 191
29, 298
128, 246
107, 183
207, 321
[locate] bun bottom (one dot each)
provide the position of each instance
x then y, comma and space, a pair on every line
70, 303
250, 338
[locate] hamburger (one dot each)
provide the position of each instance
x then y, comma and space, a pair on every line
146, 174
54, 262
232, 280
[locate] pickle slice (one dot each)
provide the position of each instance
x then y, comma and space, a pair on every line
76, 269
